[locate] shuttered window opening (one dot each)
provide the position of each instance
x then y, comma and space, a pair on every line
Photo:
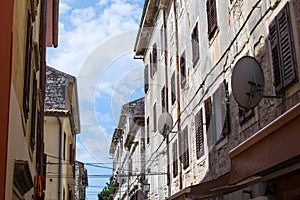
195, 45
148, 131
154, 60
185, 148
27, 68
227, 124
175, 159
33, 115
211, 18
199, 134
173, 88
163, 99
146, 79
167, 99
154, 118
151, 65
283, 54
39, 139
182, 70
208, 112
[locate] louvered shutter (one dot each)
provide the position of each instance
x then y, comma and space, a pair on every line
154, 118
146, 79
148, 131
182, 71
282, 50
285, 42
33, 115
195, 45
151, 66
211, 17
184, 148
163, 99
175, 159
275, 56
39, 164
173, 89
208, 112
167, 99
27, 69
226, 126
199, 134
154, 60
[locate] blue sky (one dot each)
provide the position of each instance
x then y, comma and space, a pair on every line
96, 41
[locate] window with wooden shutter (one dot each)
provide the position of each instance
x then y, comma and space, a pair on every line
185, 148
148, 131
211, 18
226, 125
33, 115
151, 65
167, 99
175, 159
71, 154
154, 59
173, 88
130, 166
195, 45
182, 70
208, 112
39, 141
154, 117
27, 68
282, 49
146, 79
199, 134
163, 99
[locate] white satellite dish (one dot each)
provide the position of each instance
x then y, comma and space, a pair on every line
165, 123
247, 82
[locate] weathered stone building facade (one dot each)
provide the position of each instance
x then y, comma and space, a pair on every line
128, 151
216, 149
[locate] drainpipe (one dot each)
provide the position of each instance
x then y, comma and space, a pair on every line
177, 93
59, 158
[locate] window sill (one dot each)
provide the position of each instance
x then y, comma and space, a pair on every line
187, 170
211, 41
201, 160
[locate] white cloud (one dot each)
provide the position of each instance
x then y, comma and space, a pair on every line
102, 2
86, 28
104, 88
64, 8
90, 39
